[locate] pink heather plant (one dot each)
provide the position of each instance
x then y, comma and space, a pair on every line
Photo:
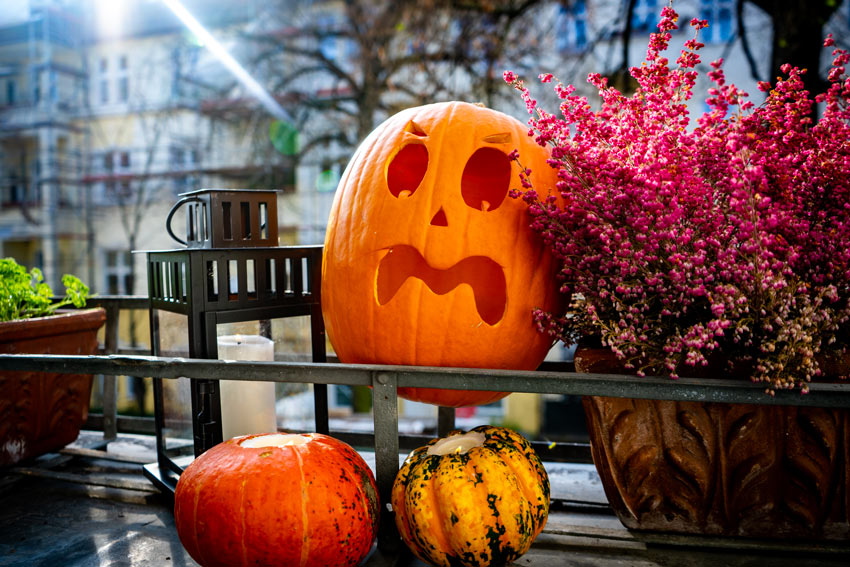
681, 245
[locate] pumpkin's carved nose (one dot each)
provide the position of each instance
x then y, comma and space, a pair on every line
440, 218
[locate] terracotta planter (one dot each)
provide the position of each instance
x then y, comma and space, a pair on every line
39, 411
720, 469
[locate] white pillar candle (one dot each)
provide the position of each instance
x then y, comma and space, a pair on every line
246, 407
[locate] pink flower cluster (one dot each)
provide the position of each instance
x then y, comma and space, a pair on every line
685, 244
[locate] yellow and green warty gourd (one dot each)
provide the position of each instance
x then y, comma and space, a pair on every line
471, 499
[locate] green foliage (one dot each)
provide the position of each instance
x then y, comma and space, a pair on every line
284, 137
24, 294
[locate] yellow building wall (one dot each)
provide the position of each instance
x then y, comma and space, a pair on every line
126, 402
523, 411
112, 131
22, 251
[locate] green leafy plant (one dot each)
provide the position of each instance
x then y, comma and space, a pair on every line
24, 294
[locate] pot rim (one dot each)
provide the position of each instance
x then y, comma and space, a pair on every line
60, 323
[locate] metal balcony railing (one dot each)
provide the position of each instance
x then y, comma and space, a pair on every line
385, 381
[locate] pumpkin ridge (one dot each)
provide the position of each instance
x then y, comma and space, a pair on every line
532, 478
408, 507
500, 449
305, 540
422, 472
441, 129
506, 541
199, 486
399, 491
195, 502
242, 521
358, 172
362, 481
496, 528
444, 539
397, 500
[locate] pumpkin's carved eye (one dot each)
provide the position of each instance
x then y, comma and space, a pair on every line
486, 179
406, 169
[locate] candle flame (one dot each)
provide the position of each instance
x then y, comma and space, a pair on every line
238, 339
458, 449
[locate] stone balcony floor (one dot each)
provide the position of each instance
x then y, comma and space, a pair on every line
89, 508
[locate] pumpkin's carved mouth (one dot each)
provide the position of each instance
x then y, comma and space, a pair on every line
482, 274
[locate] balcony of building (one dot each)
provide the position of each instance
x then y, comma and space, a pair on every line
94, 502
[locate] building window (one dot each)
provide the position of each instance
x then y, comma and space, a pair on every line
182, 162
124, 160
123, 80
104, 91
123, 89
117, 191
184, 68
572, 27
645, 16
11, 92
16, 195
116, 272
52, 88
176, 157
124, 189
719, 16
103, 86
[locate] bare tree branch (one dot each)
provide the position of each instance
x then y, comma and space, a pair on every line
745, 43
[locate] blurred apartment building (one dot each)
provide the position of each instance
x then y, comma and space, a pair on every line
108, 111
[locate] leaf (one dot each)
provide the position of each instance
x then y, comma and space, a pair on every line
689, 451
751, 459
284, 137
811, 450
24, 294
661, 456
75, 291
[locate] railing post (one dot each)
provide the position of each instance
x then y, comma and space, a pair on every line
385, 414
445, 420
320, 391
110, 393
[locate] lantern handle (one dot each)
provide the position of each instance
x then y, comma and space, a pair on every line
173, 210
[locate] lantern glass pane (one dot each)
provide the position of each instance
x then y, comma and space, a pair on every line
177, 401
295, 407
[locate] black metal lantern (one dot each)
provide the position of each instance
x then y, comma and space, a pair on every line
229, 272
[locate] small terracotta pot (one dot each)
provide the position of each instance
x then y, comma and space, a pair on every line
40, 411
720, 469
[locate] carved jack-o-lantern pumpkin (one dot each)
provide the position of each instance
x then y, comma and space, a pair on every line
427, 260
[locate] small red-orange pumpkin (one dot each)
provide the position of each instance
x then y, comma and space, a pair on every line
274, 499
427, 260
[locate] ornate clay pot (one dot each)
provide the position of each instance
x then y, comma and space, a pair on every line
717, 468
40, 411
